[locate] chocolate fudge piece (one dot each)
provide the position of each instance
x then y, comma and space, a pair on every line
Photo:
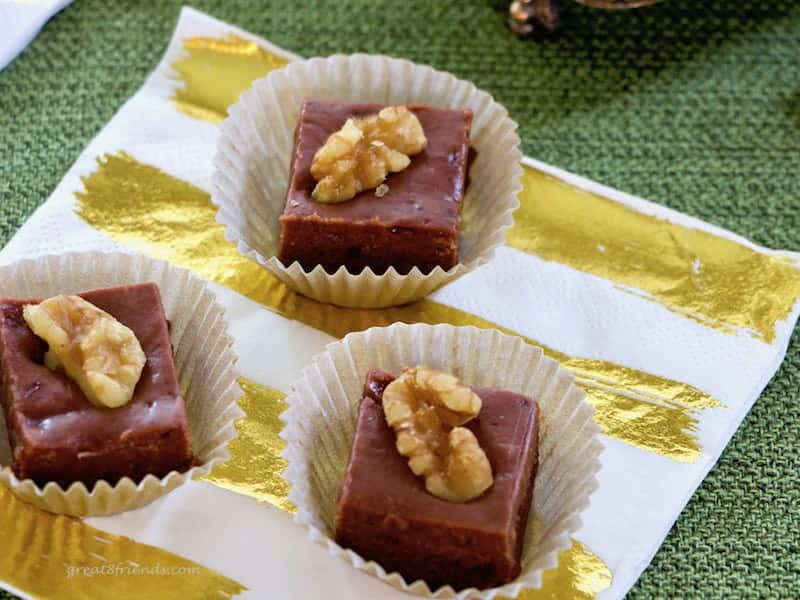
386, 515
416, 223
57, 435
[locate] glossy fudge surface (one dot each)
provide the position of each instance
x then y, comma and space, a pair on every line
57, 435
416, 223
385, 514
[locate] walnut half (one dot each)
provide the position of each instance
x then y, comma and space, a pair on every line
364, 151
426, 409
98, 352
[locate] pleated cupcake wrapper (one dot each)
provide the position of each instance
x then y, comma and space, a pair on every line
204, 361
323, 407
254, 151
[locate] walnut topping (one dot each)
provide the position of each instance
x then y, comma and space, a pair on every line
426, 409
364, 151
98, 352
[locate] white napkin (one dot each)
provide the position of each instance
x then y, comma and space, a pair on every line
641, 493
20, 22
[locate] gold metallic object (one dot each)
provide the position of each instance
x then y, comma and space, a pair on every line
214, 71
701, 276
148, 210
526, 17
256, 465
53, 556
580, 575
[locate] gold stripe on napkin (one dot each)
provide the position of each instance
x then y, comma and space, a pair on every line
580, 575
52, 556
710, 279
256, 466
215, 71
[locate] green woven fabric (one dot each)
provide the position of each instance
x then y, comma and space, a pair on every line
695, 105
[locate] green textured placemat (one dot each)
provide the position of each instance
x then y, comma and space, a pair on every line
695, 105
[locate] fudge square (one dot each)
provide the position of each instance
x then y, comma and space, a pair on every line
386, 515
416, 223
57, 435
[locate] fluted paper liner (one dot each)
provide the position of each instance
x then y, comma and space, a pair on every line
254, 151
204, 361
323, 408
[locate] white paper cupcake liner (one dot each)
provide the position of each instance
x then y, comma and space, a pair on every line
254, 150
204, 361
323, 408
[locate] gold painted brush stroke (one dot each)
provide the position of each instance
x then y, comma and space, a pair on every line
49, 556
580, 575
256, 466
162, 216
707, 278
214, 71
690, 272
